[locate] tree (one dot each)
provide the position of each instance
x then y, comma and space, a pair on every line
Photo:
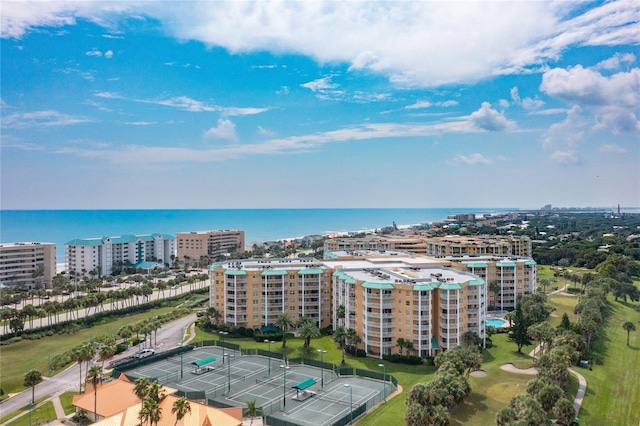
421, 415
564, 411
400, 343
519, 333
549, 395
565, 324
252, 411
31, 379
340, 314
340, 337
628, 326
283, 322
353, 339
181, 408
95, 377
308, 330
527, 409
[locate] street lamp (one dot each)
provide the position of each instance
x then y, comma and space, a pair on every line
228, 371
347, 385
284, 386
321, 352
269, 342
384, 381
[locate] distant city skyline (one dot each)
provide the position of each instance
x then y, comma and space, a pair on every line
118, 105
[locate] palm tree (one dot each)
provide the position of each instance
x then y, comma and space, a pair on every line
400, 343
283, 322
628, 327
408, 344
95, 377
340, 314
353, 339
308, 331
180, 408
141, 389
31, 379
252, 411
340, 337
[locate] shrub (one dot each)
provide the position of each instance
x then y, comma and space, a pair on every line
401, 359
248, 332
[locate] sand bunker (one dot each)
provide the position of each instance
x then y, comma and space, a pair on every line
513, 369
478, 373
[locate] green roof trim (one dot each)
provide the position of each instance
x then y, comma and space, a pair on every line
379, 286
449, 286
330, 255
304, 384
272, 272
506, 264
423, 287
338, 274
530, 262
203, 361
235, 272
477, 282
434, 343
310, 271
350, 280
79, 242
476, 265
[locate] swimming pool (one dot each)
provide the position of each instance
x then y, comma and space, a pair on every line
496, 322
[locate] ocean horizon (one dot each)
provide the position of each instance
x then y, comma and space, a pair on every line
62, 226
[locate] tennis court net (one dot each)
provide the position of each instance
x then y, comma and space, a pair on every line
323, 397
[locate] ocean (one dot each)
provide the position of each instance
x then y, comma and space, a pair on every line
61, 226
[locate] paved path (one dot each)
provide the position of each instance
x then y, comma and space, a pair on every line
582, 389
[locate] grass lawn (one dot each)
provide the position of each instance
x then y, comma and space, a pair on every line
66, 401
563, 304
489, 394
613, 387
43, 413
18, 358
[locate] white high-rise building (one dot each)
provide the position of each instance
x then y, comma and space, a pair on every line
99, 256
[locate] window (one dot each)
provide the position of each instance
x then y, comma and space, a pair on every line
408, 303
255, 302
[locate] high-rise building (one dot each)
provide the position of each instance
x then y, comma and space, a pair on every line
27, 265
208, 244
99, 256
388, 295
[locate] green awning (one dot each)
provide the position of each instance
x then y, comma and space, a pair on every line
330, 255
479, 281
304, 384
271, 272
449, 286
203, 361
506, 264
434, 343
423, 287
530, 262
235, 272
476, 265
310, 271
378, 286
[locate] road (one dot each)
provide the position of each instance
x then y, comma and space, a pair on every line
81, 313
169, 336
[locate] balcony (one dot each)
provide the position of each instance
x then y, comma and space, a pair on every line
378, 315
377, 305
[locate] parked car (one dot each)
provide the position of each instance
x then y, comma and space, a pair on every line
200, 313
175, 287
145, 353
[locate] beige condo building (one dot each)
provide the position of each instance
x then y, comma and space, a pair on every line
387, 295
197, 244
19, 263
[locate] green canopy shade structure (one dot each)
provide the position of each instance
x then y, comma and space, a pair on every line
204, 361
305, 384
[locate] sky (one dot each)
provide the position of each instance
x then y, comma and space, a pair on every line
280, 104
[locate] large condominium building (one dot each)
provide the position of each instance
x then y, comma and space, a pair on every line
386, 296
507, 278
99, 256
481, 245
27, 265
196, 244
437, 246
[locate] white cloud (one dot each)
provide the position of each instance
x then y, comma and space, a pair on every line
616, 61
564, 157
614, 99
526, 103
141, 123
568, 132
470, 160
94, 52
265, 132
41, 118
504, 103
613, 148
419, 105
320, 84
447, 104
415, 43
487, 118
224, 130
108, 54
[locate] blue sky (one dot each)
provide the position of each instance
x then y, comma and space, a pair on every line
319, 104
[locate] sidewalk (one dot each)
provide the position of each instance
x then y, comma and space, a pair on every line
57, 405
